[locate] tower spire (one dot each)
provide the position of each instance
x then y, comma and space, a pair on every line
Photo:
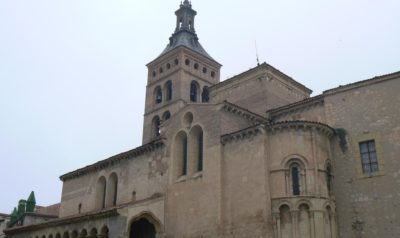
185, 34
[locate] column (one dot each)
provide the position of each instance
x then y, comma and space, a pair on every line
295, 215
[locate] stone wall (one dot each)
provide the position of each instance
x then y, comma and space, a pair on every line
368, 204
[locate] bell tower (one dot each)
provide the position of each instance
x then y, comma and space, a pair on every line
180, 75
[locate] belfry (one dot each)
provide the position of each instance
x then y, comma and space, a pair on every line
252, 156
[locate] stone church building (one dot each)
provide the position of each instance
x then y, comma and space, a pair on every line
252, 156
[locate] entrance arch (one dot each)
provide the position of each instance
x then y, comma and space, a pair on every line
142, 228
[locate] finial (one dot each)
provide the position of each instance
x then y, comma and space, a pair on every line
186, 3
258, 61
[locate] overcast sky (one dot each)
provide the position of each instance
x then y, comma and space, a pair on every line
73, 73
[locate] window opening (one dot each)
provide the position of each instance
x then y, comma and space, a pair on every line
200, 158
158, 95
193, 92
114, 202
169, 91
329, 178
369, 158
185, 155
205, 95
295, 180
156, 126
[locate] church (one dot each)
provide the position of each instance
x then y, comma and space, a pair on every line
252, 156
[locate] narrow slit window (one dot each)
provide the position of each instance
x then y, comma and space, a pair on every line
185, 156
295, 180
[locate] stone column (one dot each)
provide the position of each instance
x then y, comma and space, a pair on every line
287, 181
332, 219
319, 226
312, 224
276, 220
303, 182
295, 215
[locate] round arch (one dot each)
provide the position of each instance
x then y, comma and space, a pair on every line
304, 202
294, 158
112, 189
278, 206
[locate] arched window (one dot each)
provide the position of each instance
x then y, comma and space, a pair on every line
295, 178
193, 91
58, 235
112, 190
180, 154
66, 234
158, 95
196, 149
156, 126
101, 193
166, 116
329, 179
204, 95
168, 90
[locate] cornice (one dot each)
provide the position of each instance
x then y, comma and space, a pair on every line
146, 148
362, 83
275, 128
63, 221
246, 133
243, 112
296, 106
300, 125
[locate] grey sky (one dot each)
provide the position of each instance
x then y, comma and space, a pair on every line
73, 72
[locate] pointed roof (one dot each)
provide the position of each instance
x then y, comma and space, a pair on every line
31, 197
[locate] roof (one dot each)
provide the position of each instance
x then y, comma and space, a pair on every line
63, 221
187, 39
52, 210
255, 130
110, 161
363, 82
298, 104
261, 66
341, 88
245, 113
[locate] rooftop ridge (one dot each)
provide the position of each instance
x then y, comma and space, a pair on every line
360, 83
266, 66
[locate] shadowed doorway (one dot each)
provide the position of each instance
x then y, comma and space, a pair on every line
142, 228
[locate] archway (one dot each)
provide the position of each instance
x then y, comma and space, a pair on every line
142, 228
